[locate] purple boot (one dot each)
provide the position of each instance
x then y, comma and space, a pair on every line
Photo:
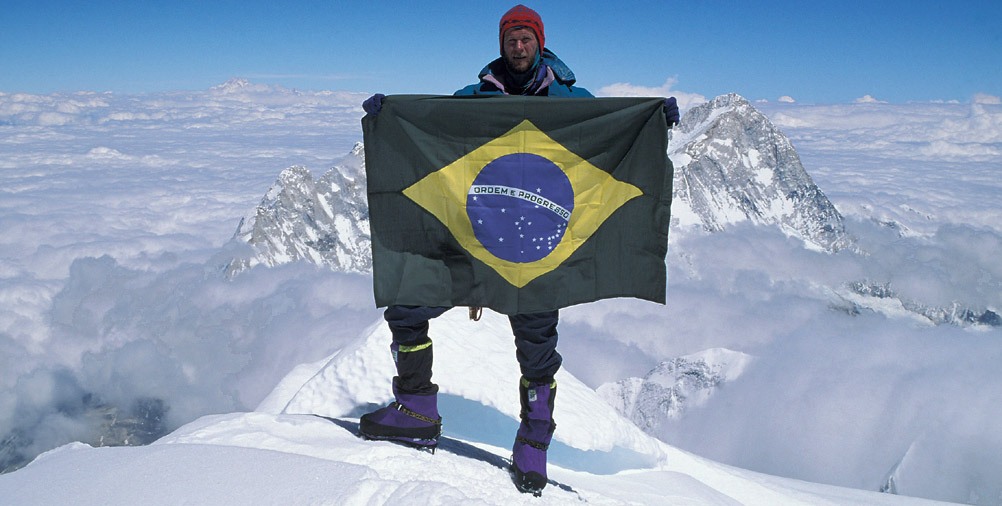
413, 418
528, 462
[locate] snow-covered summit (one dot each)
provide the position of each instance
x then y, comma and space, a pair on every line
474, 366
242, 85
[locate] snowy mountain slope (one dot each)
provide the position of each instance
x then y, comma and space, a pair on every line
282, 453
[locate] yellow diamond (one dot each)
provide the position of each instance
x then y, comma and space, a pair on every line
597, 195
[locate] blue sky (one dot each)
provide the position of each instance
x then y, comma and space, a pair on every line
814, 51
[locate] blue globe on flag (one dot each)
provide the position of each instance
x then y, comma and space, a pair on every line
519, 206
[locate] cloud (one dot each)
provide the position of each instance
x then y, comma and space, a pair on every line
890, 387
235, 101
984, 98
892, 381
786, 99
187, 338
685, 100
867, 99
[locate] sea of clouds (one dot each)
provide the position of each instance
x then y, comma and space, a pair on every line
117, 214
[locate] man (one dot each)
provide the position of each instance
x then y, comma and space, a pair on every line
526, 67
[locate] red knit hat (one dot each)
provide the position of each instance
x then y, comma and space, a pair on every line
521, 15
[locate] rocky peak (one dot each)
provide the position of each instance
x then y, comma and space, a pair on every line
733, 165
325, 222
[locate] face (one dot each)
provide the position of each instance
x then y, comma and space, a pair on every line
520, 48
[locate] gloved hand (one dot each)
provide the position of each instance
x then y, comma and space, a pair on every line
373, 104
671, 111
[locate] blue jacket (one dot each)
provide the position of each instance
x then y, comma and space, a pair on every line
559, 80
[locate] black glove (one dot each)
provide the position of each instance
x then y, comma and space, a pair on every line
374, 104
671, 111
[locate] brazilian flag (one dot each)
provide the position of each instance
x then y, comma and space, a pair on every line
519, 204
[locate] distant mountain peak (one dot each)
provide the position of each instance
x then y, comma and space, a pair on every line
233, 84
674, 386
325, 222
238, 85
733, 165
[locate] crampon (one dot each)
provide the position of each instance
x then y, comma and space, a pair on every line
424, 444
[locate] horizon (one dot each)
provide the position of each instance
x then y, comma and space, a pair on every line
896, 52
686, 100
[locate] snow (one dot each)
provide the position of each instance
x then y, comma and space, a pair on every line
309, 460
117, 213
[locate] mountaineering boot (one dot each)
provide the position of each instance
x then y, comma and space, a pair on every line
528, 461
413, 417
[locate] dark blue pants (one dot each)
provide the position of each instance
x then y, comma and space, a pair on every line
535, 336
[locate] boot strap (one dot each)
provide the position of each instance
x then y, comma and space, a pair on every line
535, 444
403, 409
